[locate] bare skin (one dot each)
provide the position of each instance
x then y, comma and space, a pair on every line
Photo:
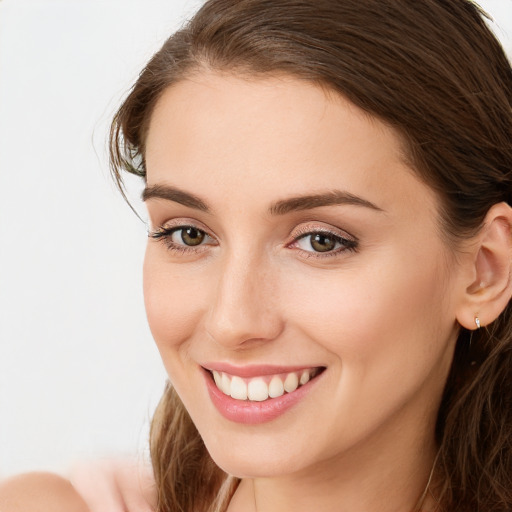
40, 492
109, 485
115, 485
378, 306
234, 276
256, 292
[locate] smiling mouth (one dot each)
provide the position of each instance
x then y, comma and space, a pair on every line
259, 389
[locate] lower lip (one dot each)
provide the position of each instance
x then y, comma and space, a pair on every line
253, 413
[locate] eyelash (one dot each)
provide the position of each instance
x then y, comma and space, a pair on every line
164, 234
347, 244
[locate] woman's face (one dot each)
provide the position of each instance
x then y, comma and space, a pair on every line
290, 241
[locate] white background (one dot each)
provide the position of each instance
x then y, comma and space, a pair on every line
79, 374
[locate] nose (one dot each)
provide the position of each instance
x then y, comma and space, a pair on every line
244, 309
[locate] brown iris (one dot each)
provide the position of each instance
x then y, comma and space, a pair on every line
322, 243
192, 236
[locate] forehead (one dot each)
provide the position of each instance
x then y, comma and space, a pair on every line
277, 135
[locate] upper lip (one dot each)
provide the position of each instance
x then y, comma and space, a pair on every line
255, 370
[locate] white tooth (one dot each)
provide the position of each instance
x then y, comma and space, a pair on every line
276, 387
225, 384
291, 382
238, 389
258, 390
304, 378
216, 378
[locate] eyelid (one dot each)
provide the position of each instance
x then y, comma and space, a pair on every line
349, 242
309, 229
181, 222
166, 230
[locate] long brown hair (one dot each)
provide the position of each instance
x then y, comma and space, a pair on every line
433, 71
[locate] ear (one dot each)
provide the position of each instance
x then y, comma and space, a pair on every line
488, 285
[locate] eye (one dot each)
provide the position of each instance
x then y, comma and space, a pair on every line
188, 236
324, 243
182, 238
319, 242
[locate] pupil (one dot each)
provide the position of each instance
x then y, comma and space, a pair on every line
192, 236
322, 243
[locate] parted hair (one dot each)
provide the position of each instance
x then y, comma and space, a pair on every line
435, 73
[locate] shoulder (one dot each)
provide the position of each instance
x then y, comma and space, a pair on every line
39, 492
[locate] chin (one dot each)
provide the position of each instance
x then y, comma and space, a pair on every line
245, 466
256, 455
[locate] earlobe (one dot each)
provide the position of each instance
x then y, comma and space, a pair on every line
490, 289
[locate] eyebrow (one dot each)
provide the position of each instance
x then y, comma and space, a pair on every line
176, 195
333, 197
298, 203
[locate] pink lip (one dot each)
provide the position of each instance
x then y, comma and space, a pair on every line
253, 413
250, 371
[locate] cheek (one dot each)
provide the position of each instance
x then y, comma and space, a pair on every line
389, 333
173, 301
389, 319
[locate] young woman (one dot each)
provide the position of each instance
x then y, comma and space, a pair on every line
327, 274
